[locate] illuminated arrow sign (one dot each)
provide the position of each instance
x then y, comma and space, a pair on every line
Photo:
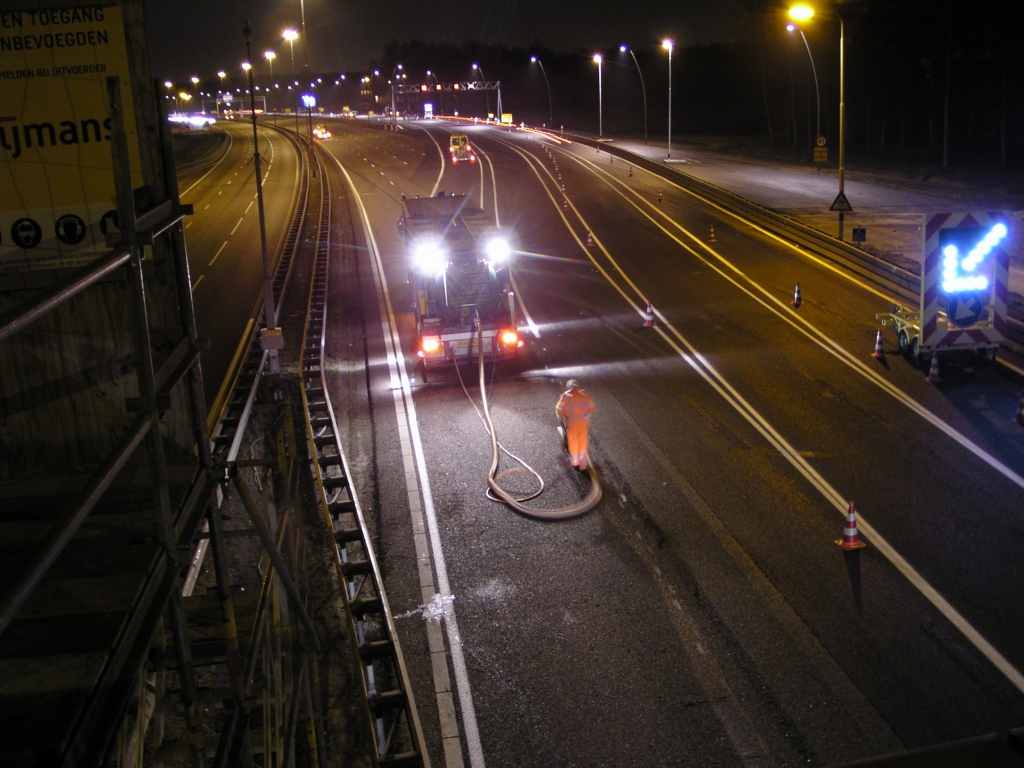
962, 272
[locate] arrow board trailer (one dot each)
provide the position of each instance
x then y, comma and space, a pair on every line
964, 279
459, 264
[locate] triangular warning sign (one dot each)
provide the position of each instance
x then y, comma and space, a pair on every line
841, 203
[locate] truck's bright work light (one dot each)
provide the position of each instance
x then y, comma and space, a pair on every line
429, 257
431, 344
497, 251
509, 338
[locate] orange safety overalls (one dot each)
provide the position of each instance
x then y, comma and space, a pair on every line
574, 408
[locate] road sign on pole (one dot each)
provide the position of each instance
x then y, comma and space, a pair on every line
841, 204
56, 172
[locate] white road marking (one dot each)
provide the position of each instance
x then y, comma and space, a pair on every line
412, 448
217, 253
711, 375
249, 205
819, 337
238, 224
197, 282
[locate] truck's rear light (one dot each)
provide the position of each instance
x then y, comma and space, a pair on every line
510, 338
431, 344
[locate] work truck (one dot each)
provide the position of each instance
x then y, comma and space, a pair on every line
459, 267
964, 279
460, 150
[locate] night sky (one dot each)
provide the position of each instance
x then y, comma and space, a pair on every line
198, 38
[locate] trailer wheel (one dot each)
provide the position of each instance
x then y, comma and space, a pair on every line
903, 342
915, 351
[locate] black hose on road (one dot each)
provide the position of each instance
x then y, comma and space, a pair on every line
564, 513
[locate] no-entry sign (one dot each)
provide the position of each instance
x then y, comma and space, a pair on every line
56, 178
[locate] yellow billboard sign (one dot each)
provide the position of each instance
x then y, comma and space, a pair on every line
57, 195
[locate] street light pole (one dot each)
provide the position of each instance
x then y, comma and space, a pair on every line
290, 35
272, 333
600, 97
269, 56
394, 76
551, 118
642, 86
668, 45
842, 119
438, 90
841, 205
814, 71
487, 94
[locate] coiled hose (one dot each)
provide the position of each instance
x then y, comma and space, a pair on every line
563, 513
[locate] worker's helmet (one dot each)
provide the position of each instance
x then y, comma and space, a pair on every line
572, 384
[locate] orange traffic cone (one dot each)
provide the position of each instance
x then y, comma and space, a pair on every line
649, 317
1020, 409
590, 240
933, 369
565, 203
711, 237
879, 353
611, 159
797, 299
660, 196
630, 171
851, 539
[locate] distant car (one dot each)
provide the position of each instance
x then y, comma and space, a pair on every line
321, 131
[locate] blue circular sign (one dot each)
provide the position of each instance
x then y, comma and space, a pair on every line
964, 309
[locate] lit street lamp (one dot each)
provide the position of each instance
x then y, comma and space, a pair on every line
598, 59
270, 56
625, 48
668, 45
290, 35
814, 71
440, 91
551, 119
487, 94
394, 76
802, 13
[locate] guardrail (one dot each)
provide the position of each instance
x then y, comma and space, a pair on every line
868, 267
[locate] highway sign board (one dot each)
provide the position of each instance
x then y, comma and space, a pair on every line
56, 178
821, 154
822, 141
964, 278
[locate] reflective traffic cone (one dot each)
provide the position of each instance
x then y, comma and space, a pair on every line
1020, 409
660, 196
797, 299
590, 240
565, 203
630, 171
611, 159
851, 539
711, 237
879, 353
933, 369
649, 317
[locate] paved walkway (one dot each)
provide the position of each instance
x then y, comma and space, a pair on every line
889, 207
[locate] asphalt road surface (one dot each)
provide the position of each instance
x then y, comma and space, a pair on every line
701, 614
216, 175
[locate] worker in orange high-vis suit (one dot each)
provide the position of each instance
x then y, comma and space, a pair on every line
574, 408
